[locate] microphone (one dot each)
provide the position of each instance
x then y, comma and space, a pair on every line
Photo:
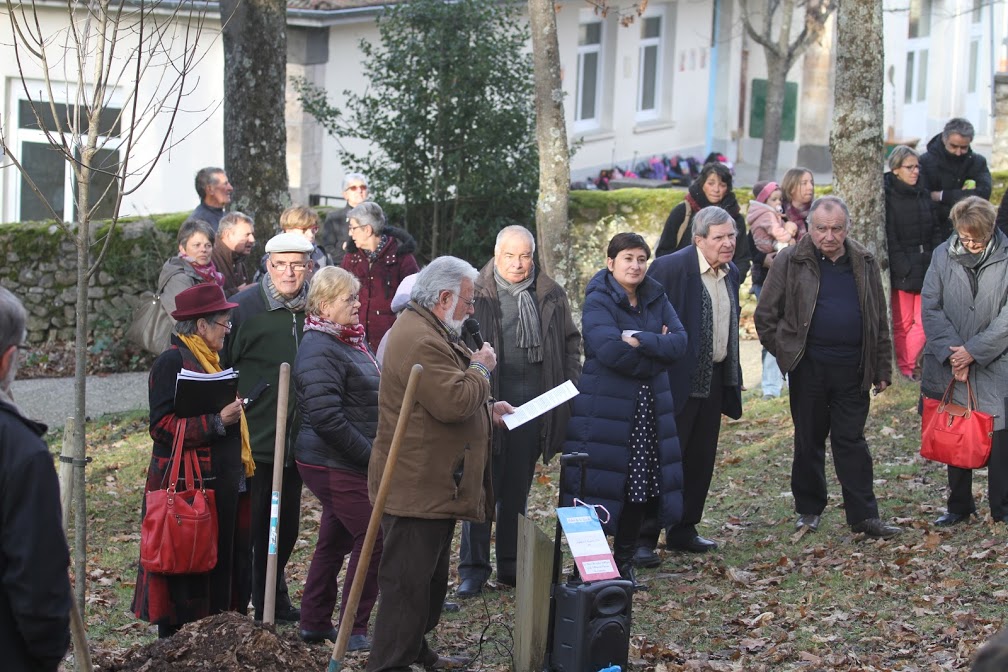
472, 327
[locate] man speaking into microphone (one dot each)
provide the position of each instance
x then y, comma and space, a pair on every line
524, 315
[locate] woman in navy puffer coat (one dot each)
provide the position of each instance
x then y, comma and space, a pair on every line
336, 380
624, 416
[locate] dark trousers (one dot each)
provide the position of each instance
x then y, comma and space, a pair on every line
346, 511
960, 481
827, 400
513, 470
413, 582
699, 428
261, 487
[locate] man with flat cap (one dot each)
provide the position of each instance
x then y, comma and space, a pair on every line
267, 328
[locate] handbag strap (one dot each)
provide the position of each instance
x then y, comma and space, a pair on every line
971, 401
194, 475
176, 458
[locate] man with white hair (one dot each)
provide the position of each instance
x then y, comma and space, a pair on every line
334, 235
443, 468
34, 586
266, 331
527, 318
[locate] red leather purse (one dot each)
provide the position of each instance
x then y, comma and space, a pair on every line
179, 530
959, 436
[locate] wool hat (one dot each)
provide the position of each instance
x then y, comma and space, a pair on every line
762, 190
288, 242
206, 298
402, 293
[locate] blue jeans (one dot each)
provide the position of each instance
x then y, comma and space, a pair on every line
772, 380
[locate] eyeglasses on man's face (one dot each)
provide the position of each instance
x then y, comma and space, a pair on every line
295, 266
357, 187
469, 302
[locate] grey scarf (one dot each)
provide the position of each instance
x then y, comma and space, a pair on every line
276, 300
529, 328
969, 260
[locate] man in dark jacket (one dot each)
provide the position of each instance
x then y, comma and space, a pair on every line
822, 314
525, 315
702, 284
35, 597
333, 235
266, 332
235, 239
214, 191
951, 170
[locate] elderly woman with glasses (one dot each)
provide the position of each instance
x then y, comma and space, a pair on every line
380, 256
912, 233
336, 380
191, 266
965, 310
221, 442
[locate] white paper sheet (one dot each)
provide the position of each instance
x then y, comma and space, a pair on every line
544, 402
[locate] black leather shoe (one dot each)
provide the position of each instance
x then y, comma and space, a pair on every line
809, 520
949, 519
288, 613
646, 558
697, 544
507, 579
469, 588
451, 607
316, 636
875, 528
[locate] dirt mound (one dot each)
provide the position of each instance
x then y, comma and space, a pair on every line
223, 643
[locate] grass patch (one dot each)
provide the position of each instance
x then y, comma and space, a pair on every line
768, 599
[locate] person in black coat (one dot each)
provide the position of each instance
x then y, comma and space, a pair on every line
712, 187
912, 233
35, 598
951, 170
624, 416
703, 286
336, 381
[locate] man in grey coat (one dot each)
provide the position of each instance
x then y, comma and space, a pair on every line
525, 316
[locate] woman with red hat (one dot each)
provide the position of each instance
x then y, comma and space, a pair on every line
221, 442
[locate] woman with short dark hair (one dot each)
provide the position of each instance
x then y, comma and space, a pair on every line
624, 416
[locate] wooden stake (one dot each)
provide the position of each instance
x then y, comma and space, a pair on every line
279, 452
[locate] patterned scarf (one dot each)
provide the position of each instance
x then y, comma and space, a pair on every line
529, 327
210, 361
373, 255
351, 335
277, 300
799, 217
969, 260
209, 272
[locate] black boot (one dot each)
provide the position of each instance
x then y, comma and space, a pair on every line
625, 542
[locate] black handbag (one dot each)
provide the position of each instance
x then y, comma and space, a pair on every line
152, 325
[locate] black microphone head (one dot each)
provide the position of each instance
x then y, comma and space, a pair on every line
472, 327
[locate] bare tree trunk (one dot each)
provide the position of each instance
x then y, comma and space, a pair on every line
856, 140
551, 136
773, 113
255, 136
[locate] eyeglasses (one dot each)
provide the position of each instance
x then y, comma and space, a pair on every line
353, 298
357, 187
469, 302
295, 266
912, 168
353, 227
227, 325
974, 241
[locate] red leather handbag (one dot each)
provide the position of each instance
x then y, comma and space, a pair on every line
179, 530
959, 436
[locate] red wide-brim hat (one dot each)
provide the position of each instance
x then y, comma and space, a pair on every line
205, 298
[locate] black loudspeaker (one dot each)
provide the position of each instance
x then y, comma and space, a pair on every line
592, 626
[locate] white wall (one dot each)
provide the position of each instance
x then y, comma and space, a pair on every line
196, 137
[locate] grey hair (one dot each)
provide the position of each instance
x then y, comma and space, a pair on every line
899, 155
190, 327
513, 230
710, 216
231, 220
13, 318
350, 178
370, 214
444, 273
958, 126
830, 203
191, 227
206, 177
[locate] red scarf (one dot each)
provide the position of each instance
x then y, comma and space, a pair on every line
209, 272
351, 335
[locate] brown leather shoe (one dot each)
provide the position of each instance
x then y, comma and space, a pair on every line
875, 528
